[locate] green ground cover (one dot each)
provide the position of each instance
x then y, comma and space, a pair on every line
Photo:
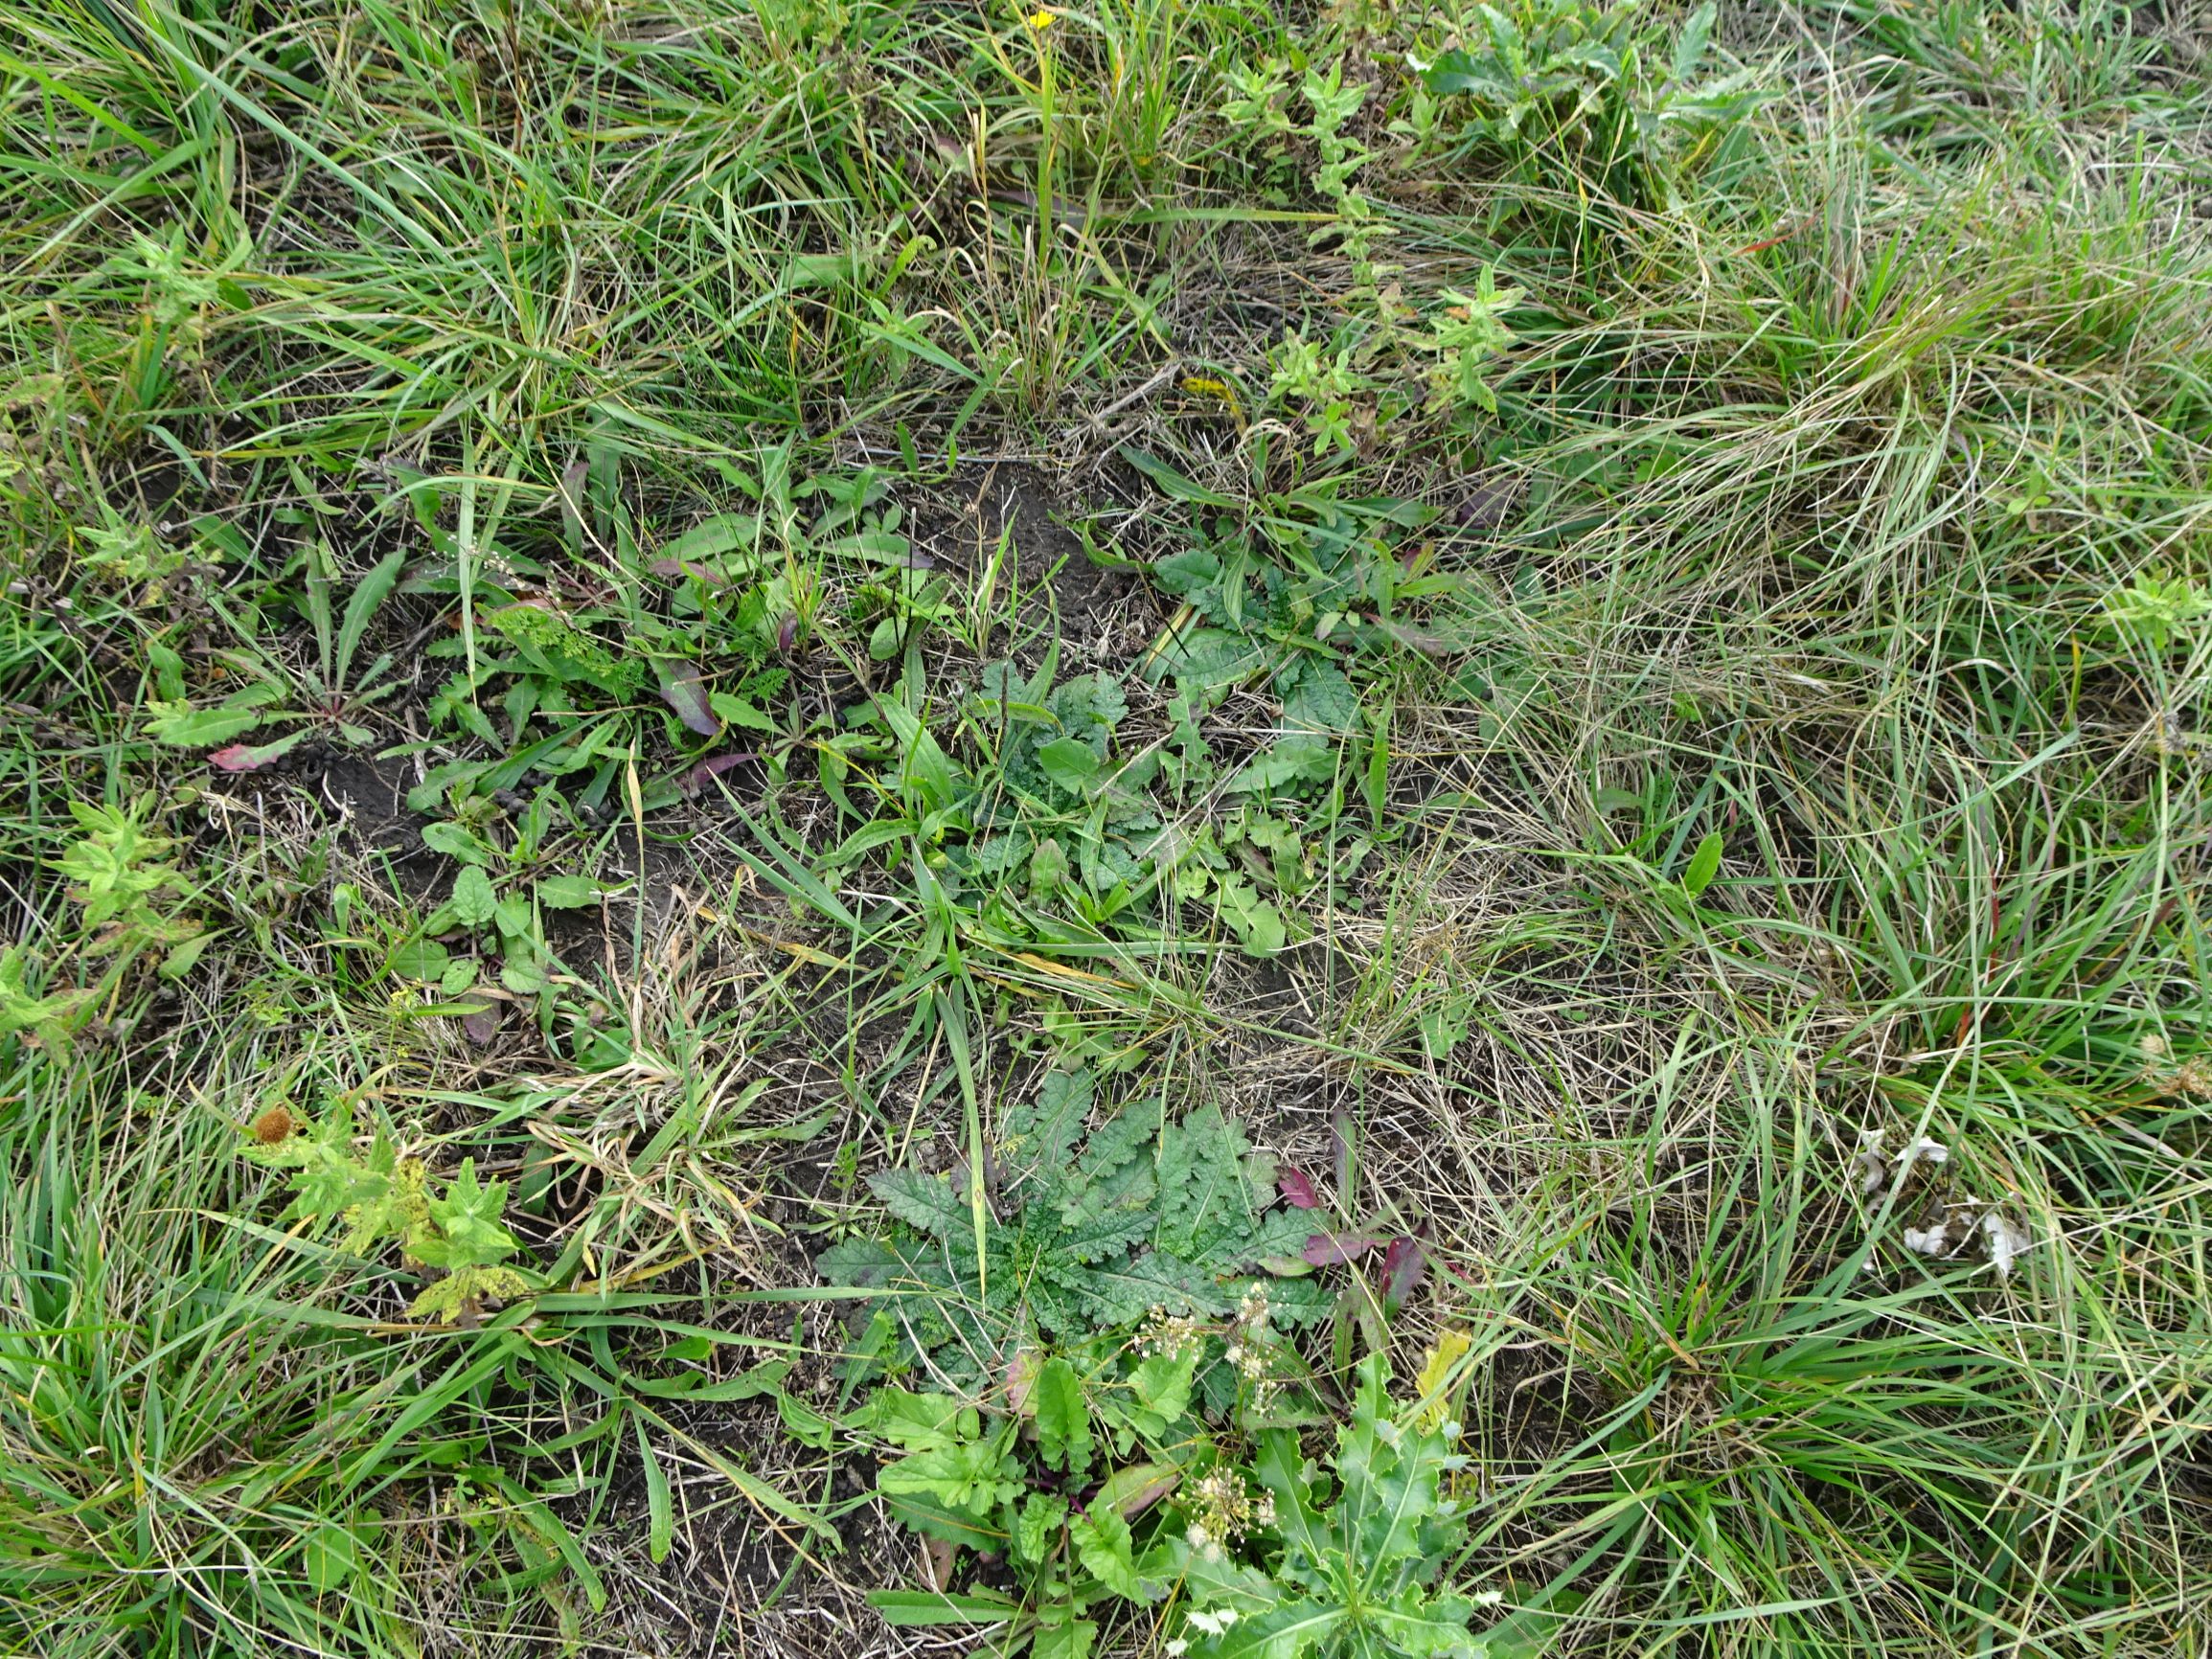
1165, 829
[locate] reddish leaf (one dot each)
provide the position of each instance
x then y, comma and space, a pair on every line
1297, 1191
1021, 1380
1425, 640
684, 692
1486, 506
787, 632
253, 756
937, 1558
1329, 1249
1403, 1266
711, 767
482, 1024
1135, 1489
678, 569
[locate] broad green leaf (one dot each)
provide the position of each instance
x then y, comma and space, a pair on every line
660, 1510
1287, 1630
1071, 1640
1162, 1383
1281, 1470
1424, 1626
974, 1476
932, 1518
741, 712
1069, 762
1690, 45
1202, 1189
907, 1609
925, 1202
1206, 661
189, 728
168, 669
1322, 700
331, 1559
568, 892
1173, 484
1286, 764
917, 1421
1063, 1437
1101, 1544
1455, 72
467, 1217
420, 958
1188, 574
456, 841
1038, 1529
473, 903
1704, 865
712, 537
1257, 922
371, 591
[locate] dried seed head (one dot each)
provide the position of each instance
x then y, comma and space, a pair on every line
275, 1126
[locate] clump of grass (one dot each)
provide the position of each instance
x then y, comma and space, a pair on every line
1672, 598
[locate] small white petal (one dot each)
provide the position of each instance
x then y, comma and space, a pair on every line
1924, 1150
1925, 1241
2006, 1240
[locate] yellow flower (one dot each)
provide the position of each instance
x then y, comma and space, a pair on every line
1040, 18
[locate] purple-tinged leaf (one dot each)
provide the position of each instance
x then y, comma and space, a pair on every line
684, 692
698, 776
1485, 506
1331, 1249
1136, 1489
787, 632
1297, 1189
253, 756
678, 569
1022, 1372
1427, 640
482, 1024
1403, 1266
938, 1559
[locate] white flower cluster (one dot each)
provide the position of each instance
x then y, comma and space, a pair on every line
1224, 1509
1249, 1349
1173, 1335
